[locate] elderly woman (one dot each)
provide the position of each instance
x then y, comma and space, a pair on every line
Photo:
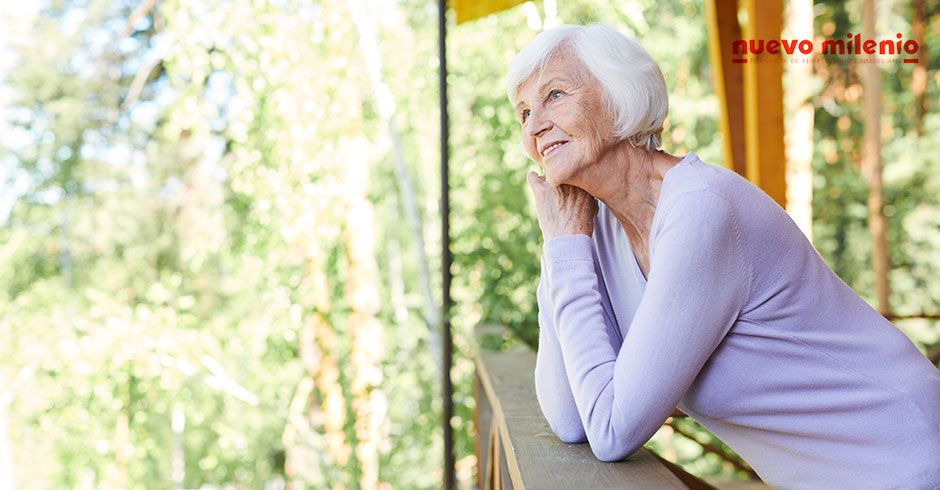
667, 282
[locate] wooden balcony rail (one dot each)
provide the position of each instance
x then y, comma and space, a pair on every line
517, 449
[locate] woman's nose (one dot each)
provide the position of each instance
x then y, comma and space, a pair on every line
538, 123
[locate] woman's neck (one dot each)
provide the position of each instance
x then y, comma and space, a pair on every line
628, 181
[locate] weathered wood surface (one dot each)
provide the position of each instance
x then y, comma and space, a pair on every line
528, 453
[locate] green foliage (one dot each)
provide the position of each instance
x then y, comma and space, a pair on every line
910, 174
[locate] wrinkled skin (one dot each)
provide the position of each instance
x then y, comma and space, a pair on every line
563, 103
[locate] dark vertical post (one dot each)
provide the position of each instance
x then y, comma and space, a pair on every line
447, 349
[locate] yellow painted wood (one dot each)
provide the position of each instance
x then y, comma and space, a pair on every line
468, 10
763, 107
750, 94
723, 30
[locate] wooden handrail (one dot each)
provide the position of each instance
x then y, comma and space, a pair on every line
516, 448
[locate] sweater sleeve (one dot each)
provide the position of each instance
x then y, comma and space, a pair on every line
697, 285
551, 381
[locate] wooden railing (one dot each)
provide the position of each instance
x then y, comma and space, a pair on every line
517, 449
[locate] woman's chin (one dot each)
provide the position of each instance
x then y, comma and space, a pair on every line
556, 175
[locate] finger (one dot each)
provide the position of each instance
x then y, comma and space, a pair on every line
533, 179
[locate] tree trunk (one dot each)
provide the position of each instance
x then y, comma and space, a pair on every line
799, 133
919, 79
872, 165
362, 295
330, 417
386, 106
314, 437
298, 463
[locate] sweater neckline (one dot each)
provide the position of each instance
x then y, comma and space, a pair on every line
686, 159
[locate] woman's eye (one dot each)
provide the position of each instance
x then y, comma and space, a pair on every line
524, 115
554, 94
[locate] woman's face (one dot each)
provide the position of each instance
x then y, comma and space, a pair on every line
565, 126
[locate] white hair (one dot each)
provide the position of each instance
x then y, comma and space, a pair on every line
633, 85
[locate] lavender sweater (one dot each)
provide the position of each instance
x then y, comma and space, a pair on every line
744, 327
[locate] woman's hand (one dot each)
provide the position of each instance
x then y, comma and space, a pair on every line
562, 210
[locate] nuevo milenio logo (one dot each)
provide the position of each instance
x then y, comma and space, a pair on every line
853, 49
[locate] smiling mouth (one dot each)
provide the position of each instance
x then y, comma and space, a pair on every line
554, 147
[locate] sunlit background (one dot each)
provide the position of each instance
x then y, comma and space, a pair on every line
220, 239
